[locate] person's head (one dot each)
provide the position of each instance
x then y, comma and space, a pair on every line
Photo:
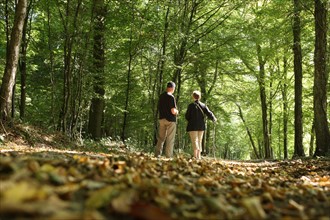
170, 87
196, 95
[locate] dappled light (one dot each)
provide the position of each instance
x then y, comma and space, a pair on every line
52, 182
164, 110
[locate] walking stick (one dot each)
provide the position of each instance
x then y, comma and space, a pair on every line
214, 124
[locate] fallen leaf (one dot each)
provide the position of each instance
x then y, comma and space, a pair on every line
254, 208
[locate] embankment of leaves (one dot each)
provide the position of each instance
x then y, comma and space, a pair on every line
43, 182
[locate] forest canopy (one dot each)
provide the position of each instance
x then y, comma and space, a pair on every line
94, 70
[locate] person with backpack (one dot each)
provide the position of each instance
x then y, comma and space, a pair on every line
196, 115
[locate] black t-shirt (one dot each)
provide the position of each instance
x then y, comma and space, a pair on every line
165, 104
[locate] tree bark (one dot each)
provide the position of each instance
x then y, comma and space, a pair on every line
201, 77
285, 107
270, 114
320, 80
298, 116
311, 143
70, 38
51, 67
128, 76
9, 76
263, 99
22, 63
97, 103
160, 72
255, 150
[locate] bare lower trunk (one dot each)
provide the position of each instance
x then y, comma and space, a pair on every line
9, 76
298, 117
320, 80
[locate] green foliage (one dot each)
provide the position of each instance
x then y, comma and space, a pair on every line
219, 39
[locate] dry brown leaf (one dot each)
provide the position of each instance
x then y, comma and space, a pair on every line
254, 208
144, 211
123, 202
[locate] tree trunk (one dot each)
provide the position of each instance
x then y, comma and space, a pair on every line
255, 150
320, 80
285, 107
311, 143
51, 67
9, 76
201, 77
128, 76
128, 88
160, 71
70, 38
263, 99
22, 63
270, 112
97, 103
298, 122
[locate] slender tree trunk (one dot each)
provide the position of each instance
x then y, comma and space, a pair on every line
298, 116
263, 98
188, 14
311, 143
22, 62
128, 76
67, 71
270, 112
255, 150
285, 107
320, 80
97, 102
201, 77
79, 102
9, 76
160, 72
128, 88
69, 41
51, 67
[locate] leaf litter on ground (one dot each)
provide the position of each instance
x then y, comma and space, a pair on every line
49, 183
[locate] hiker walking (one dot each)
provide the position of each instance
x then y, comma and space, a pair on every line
167, 121
196, 115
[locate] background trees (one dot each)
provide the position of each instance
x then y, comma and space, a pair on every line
94, 69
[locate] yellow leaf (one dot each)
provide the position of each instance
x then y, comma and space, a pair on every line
47, 168
18, 193
101, 197
123, 202
254, 208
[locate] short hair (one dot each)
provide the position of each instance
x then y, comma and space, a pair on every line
170, 84
196, 95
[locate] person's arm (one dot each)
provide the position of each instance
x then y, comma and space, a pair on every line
174, 111
187, 115
210, 114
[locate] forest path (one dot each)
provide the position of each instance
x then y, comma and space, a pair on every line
43, 181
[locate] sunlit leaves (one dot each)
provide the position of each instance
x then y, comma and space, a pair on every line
93, 186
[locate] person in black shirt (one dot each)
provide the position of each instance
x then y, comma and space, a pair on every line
167, 121
195, 115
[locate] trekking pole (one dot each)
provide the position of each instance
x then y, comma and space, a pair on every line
214, 124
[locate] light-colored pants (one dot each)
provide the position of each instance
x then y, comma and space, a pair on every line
196, 138
166, 133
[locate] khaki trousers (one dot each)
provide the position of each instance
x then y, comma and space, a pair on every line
166, 133
196, 138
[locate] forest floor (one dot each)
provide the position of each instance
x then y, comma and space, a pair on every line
43, 176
